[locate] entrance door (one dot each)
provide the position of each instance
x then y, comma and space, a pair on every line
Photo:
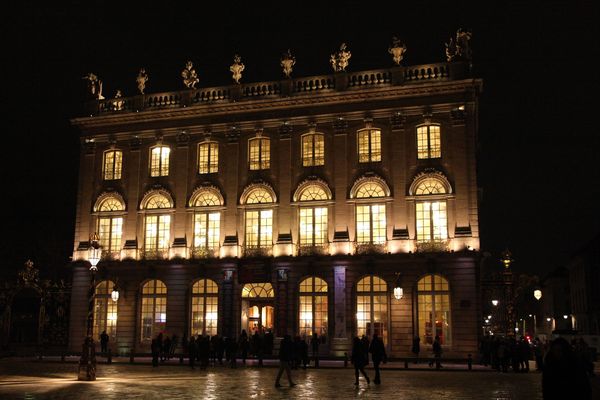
258, 308
25, 315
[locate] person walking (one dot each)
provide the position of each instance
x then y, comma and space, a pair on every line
192, 351
104, 342
564, 376
244, 345
285, 357
166, 348
359, 359
437, 352
416, 348
155, 349
377, 349
315, 342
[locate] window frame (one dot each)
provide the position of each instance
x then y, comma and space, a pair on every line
163, 162
371, 294
154, 296
212, 165
433, 293
428, 149
109, 307
370, 155
204, 295
313, 294
312, 160
260, 163
113, 173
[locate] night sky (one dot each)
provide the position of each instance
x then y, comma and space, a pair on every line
538, 161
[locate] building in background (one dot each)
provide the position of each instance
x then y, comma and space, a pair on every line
584, 281
294, 206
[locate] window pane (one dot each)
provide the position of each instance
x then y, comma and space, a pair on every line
307, 150
439, 220
378, 223
116, 233
254, 154
370, 189
435, 145
266, 228
313, 192
422, 145
265, 153
306, 226
319, 148
375, 145
109, 164
306, 316
423, 221
363, 146
363, 224
252, 228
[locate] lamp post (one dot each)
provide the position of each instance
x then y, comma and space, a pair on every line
398, 291
537, 293
508, 285
87, 362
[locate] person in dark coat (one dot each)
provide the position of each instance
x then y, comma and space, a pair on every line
377, 350
315, 342
359, 359
244, 345
564, 376
155, 349
286, 351
437, 352
191, 351
365, 343
416, 347
166, 349
104, 342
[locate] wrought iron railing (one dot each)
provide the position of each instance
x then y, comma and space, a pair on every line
251, 251
203, 252
317, 250
370, 248
432, 246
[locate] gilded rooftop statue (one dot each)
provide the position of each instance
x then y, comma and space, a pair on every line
397, 50
340, 60
236, 68
287, 62
141, 80
190, 78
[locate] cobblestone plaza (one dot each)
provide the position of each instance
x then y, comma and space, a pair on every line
24, 379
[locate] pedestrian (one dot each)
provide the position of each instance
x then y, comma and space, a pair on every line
377, 349
564, 376
191, 351
285, 357
304, 352
258, 345
233, 349
174, 344
297, 352
166, 348
244, 345
416, 347
437, 352
155, 349
359, 359
220, 349
159, 341
104, 342
315, 342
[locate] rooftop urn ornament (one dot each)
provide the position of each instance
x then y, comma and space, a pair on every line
506, 258
287, 62
236, 68
459, 49
141, 80
397, 49
190, 78
94, 85
340, 60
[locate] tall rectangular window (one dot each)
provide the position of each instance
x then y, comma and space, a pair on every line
159, 161
313, 150
369, 145
206, 230
158, 228
259, 228
208, 157
113, 161
371, 224
110, 231
429, 143
432, 220
313, 226
259, 153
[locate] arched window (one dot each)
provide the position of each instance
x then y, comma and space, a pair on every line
369, 145
313, 219
110, 225
370, 217
105, 310
112, 165
159, 161
157, 226
259, 153
429, 144
431, 214
313, 307
258, 290
372, 307
208, 157
154, 309
313, 149
205, 307
433, 304
259, 222
207, 222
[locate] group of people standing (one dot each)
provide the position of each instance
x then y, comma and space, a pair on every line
361, 347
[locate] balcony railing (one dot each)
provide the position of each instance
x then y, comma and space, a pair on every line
370, 248
432, 246
318, 250
251, 251
107, 255
290, 87
203, 252
154, 254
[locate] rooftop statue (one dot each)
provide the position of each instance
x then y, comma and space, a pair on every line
190, 78
459, 49
287, 62
94, 86
340, 60
118, 104
397, 49
236, 68
141, 80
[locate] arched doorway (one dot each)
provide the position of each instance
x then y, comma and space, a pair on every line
25, 317
258, 307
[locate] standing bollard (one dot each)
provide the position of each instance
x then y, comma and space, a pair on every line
131, 357
345, 359
109, 357
470, 362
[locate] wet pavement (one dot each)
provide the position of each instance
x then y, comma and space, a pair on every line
31, 379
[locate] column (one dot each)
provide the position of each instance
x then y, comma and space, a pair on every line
339, 341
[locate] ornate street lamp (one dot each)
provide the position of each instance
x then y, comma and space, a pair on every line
87, 362
398, 291
114, 295
537, 293
494, 302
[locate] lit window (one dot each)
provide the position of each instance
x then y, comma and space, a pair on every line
370, 189
313, 193
313, 220
433, 305
258, 290
258, 196
429, 144
110, 226
113, 162
105, 310
372, 307
370, 218
157, 227
259, 228
159, 161
369, 145
259, 153
313, 307
432, 218
206, 230
154, 309
313, 149
205, 307
208, 157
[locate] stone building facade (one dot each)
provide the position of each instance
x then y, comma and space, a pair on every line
294, 206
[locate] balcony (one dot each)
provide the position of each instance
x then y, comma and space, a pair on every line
318, 250
432, 246
370, 248
154, 254
253, 251
107, 255
204, 252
